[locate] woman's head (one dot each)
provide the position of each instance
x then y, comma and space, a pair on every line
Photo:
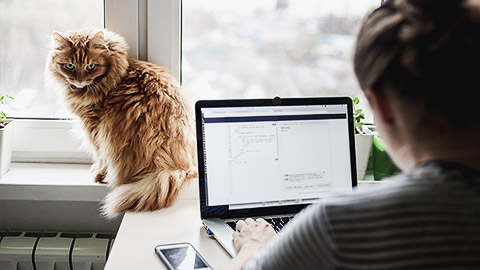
424, 55
426, 52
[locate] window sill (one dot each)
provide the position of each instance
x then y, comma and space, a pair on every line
67, 182
52, 197
61, 197
50, 182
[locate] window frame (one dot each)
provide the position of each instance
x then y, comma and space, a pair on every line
152, 29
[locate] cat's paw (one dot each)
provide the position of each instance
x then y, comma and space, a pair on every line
99, 173
100, 177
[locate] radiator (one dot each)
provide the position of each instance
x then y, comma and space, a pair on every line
54, 250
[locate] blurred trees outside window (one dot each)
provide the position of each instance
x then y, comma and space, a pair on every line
287, 48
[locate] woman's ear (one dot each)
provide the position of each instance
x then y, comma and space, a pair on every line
390, 124
382, 107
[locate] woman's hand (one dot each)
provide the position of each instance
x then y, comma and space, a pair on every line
252, 234
250, 237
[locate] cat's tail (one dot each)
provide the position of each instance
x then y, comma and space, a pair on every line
152, 192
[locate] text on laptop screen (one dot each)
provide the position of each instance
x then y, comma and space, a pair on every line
275, 155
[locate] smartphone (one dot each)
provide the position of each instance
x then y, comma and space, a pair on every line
181, 256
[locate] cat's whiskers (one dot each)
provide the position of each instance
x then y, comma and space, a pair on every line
70, 87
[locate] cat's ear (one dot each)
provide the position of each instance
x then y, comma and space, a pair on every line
60, 41
98, 41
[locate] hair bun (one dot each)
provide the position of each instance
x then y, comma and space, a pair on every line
424, 16
431, 26
425, 51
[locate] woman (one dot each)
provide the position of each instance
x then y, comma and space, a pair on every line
417, 62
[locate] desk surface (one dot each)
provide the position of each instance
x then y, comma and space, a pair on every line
139, 233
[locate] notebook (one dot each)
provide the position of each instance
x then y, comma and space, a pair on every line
270, 158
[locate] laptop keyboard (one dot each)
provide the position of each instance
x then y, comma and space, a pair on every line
277, 223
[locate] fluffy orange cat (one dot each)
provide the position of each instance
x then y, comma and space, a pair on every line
133, 114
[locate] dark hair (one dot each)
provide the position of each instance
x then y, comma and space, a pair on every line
427, 52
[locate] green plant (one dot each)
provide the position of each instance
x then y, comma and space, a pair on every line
358, 116
2, 114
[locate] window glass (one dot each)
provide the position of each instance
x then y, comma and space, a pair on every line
288, 48
25, 30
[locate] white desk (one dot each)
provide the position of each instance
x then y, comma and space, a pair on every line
139, 233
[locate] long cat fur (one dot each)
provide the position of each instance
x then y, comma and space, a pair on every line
134, 116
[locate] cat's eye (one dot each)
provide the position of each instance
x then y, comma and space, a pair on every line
69, 66
91, 67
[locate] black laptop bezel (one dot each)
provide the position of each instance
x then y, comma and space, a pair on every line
222, 211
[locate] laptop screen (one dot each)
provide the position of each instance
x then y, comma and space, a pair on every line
269, 156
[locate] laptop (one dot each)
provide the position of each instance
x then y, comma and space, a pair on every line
270, 158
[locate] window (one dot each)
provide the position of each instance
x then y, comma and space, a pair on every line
230, 49
25, 30
43, 137
287, 48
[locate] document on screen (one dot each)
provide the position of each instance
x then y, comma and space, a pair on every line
277, 158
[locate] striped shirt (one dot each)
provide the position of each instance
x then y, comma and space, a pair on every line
426, 219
